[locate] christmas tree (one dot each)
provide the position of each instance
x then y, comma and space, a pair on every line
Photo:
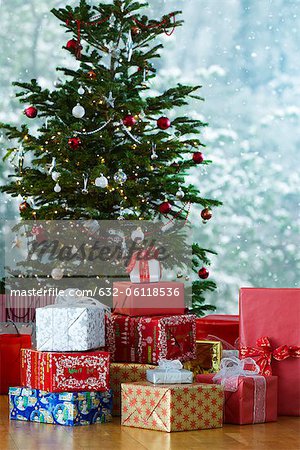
106, 147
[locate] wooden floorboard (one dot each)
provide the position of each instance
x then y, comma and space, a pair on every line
17, 435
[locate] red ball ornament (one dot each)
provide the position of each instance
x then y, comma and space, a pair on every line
129, 121
31, 112
165, 207
135, 30
163, 123
206, 214
198, 157
203, 273
74, 143
92, 75
72, 45
24, 206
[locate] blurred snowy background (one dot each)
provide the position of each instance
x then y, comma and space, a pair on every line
245, 53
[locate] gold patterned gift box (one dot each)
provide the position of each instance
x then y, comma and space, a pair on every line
208, 358
122, 373
172, 407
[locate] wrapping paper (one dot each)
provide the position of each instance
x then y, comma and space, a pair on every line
122, 338
225, 327
173, 407
70, 328
208, 357
60, 372
148, 339
122, 373
230, 353
171, 376
149, 299
10, 358
68, 408
282, 306
253, 402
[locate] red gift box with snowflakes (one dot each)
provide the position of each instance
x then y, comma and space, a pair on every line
65, 372
173, 407
146, 340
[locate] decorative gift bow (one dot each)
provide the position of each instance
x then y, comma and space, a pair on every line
169, 365
143, 256
166, 364
72, 297
263, 351
232, 368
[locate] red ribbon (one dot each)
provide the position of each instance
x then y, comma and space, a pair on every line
264, 354
142, 256
80, 23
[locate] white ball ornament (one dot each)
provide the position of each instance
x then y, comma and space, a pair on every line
180, 194
137, 235
78, 111
57, 188
57, 273
81, 91
55, 176
101, 182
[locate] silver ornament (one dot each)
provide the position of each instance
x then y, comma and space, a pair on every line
55, 176
81, 91
180, 194
137, 235
187, 278
85, 191
154, 155
78, 111
101, 181
57, 273
58, 82
120, 177
57, 188
110, 100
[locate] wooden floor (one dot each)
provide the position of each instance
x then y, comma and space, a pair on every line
284, 434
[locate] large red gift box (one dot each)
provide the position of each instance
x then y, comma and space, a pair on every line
269, 333
122, 337
63, 372
148, 339
10, 357
255, 400
223, 326
148, 299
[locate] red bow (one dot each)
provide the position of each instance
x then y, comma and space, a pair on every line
264, 353
142, 257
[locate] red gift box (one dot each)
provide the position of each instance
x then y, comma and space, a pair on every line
255, 400
63, 372
148, 339
225, 327
148, 299
269, 333
121, 337
10, 357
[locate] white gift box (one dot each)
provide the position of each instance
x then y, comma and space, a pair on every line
70, 326
169, 372
146, 271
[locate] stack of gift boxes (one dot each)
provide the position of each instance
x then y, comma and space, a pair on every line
65, 380
164, 369
154, 351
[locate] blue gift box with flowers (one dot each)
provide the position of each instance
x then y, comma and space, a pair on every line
66, 408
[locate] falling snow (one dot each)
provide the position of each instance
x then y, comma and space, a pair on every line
245, 53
